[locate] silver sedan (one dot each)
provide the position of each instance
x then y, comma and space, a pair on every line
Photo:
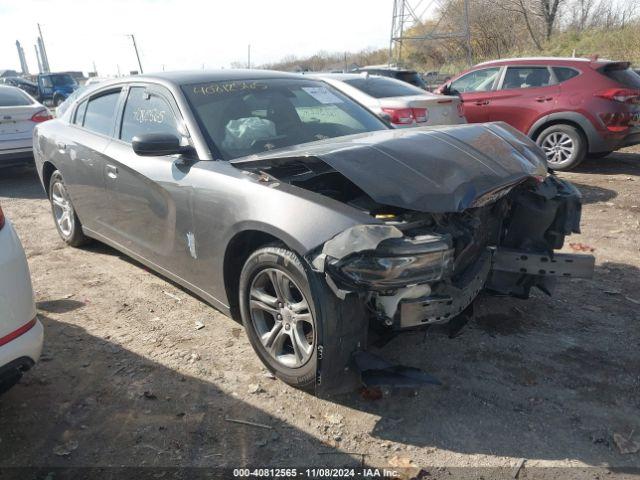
402, 104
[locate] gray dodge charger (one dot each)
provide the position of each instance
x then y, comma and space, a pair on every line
286, 204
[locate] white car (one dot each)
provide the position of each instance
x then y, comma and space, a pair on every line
19, 114
403, 104
21, 332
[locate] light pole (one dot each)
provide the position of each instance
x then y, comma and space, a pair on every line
135, 47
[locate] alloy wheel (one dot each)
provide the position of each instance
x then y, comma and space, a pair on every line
282, 318
62, 209
558, 147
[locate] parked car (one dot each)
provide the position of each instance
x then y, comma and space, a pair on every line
401, 103
54, 88
572, 107
19, 113
402, 74
21, 332
284, 203
29, 87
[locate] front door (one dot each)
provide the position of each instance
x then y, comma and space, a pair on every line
149, 197
476, 91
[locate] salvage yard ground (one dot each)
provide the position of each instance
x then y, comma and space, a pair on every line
130, 377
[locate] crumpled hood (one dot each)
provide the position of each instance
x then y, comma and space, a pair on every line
430, 169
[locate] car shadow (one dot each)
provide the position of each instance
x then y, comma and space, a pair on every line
20, 182
617, 163
93, 402
593, 194
546, 378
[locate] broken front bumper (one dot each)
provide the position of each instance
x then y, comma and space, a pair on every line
449, 300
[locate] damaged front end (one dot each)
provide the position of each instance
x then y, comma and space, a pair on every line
454, 211
418, 269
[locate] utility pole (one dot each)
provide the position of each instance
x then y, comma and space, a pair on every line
43, 52
249, 56
467, 31
135, 47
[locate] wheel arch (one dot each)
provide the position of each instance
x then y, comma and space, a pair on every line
47, 170
573, 119
239, 248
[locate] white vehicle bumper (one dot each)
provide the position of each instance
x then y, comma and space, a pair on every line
21, 333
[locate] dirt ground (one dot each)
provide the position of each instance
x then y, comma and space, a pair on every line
126, 379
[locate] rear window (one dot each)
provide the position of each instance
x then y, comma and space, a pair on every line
100, 113
13, 97
564, 73
621, 73
383, 87
410, 77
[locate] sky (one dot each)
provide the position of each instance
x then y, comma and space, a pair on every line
186, 34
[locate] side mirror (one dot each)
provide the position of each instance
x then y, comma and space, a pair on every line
157, 144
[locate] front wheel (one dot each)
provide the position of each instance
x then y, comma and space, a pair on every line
564, 146
279, 314
67, 222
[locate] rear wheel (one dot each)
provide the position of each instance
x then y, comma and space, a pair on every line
564, 146
279, 314
67, 222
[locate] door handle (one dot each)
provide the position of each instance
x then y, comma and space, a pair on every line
482, 102
112, 171
543, 99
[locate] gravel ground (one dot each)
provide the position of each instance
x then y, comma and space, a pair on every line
126, 379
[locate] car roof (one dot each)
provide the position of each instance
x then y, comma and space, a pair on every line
550, 60
201, 76
341, 76
389, 68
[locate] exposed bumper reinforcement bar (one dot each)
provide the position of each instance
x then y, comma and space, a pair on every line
560, 265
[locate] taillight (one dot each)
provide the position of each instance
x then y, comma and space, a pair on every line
420, 115
616, 122
622, 95
41, 116
406, 116
1, 218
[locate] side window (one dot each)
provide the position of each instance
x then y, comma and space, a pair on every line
46, 82
478, 81
100, 113
564, 73
79, 118
146, 113
526, 77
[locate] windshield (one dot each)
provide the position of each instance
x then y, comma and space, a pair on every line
384, 87
245, 117
62, 80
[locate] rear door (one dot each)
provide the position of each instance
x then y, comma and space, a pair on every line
524, 94
476, 91
148, 197
83, 148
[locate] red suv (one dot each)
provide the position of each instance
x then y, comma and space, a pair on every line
571, 107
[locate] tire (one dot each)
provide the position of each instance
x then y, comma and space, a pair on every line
599, 154
68, 226
564, 145
262, 268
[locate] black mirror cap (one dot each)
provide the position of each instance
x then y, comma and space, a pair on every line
156, 144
